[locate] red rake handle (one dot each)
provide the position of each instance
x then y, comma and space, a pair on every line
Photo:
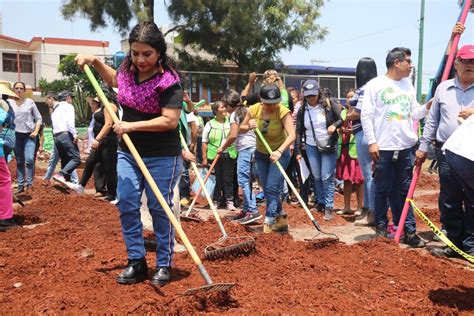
406, 206
449, 63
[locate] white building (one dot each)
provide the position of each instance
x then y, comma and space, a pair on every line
40, 57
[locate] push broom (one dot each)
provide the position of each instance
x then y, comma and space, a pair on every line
210, 286
226, 246
187, 216
322, 242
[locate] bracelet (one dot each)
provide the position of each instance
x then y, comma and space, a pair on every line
279, 151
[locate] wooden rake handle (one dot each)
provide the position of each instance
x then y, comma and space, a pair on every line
208, 174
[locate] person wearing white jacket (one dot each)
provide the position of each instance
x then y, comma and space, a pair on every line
388, 113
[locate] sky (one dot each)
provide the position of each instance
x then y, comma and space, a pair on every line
357, 29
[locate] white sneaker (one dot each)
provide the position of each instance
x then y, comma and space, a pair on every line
114, 202
76, 187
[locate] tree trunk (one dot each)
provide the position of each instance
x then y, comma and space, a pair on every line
148, 6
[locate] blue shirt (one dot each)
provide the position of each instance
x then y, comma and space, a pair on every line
450, 99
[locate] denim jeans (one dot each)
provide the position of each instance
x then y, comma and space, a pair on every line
131, 183
244, 165
323, 167
365, 163
392, 178
68, 153
53, 161
459, 222
272, 181
25, 159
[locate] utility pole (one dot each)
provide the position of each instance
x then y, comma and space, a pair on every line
420, 52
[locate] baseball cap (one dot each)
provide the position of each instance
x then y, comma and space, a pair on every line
270, 93
64, 94
466, 52
310, 87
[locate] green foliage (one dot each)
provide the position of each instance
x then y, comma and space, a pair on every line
102, 12
75, 81
251, 33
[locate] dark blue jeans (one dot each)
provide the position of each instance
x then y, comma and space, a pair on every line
392, 178
68, 152
459, 222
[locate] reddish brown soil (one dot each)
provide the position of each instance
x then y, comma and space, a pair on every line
69, 264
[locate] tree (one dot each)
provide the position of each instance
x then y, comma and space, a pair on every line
75, 81
250, 33
120, 12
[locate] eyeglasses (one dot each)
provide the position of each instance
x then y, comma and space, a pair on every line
265, 125
466, 61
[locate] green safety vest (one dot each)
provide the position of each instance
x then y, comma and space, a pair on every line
352, 143
216, 134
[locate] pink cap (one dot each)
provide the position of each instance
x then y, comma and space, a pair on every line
466, 52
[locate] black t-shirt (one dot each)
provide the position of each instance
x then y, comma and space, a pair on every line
99, 122
252, 98
155, 144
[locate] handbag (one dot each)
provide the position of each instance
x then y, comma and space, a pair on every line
324, 145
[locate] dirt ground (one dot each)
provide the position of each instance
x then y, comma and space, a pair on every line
68, 263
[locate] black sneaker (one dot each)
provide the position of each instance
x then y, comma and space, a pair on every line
238, 217
250, 217
320, 207
381, 230
413, 240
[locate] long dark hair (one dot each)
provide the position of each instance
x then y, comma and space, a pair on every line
149, 33
366, 70
232, 99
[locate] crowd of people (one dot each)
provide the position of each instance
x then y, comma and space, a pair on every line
367, 142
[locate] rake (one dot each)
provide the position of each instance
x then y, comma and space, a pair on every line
210, 286
319, 243
226, 246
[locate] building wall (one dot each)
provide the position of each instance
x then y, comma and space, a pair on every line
11, 48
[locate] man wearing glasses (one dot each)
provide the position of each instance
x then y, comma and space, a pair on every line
388, 113
453, 99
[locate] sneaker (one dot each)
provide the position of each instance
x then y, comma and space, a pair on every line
328, 214
260, 196
114, 202
413, 240
320, 207
60, 179
250, 217
345, 212
230, 206
359, 212
444, 252
238, 217
76, 187
381, 231
436, 238
366, 219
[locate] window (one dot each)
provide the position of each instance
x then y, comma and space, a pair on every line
346, 84
10, 63
331, 83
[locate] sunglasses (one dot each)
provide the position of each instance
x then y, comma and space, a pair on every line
466, 61
265, 125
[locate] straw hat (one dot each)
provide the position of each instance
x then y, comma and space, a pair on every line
5, 91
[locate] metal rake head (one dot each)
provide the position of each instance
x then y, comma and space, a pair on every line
210, 288
226, 248
320, 243
190, 218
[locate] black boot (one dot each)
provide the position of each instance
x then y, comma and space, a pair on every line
162, 276
135, 272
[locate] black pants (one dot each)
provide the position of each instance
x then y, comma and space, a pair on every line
225, 171
68, 153
106, 155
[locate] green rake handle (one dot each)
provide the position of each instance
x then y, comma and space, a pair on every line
288, 181
149, 179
